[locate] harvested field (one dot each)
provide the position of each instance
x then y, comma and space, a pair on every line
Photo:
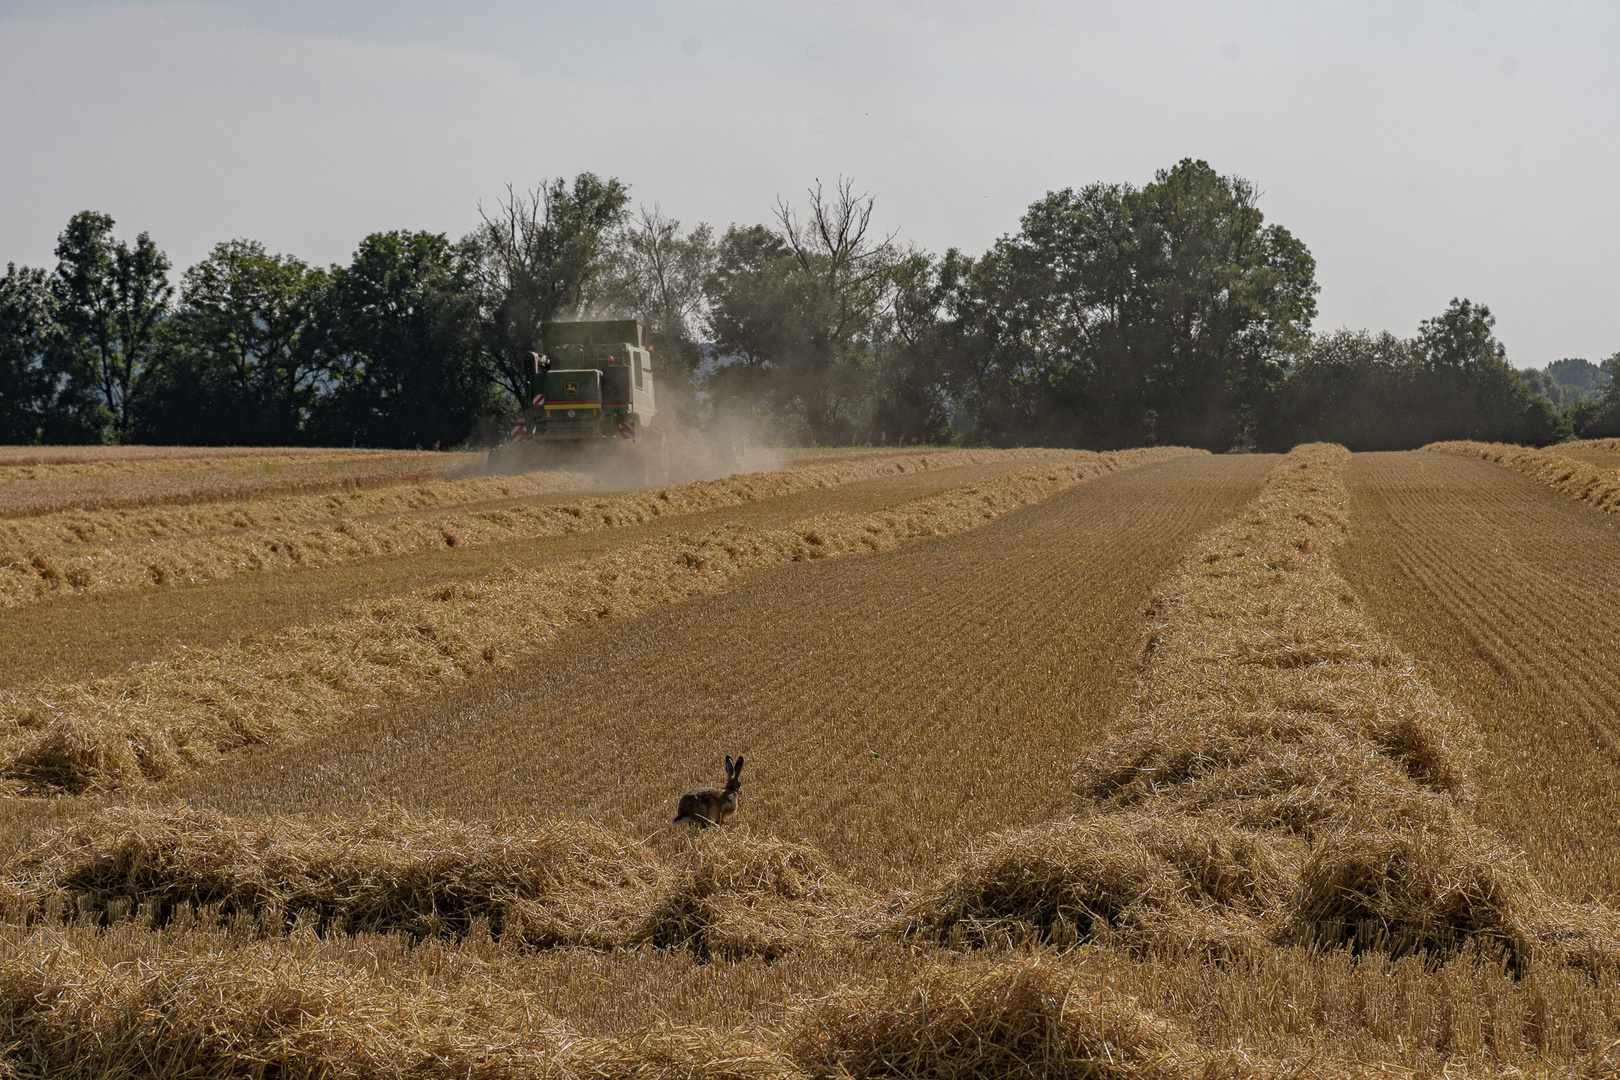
72, 638
219, 999
98, 478
862, 724
742, 941
1123, 775
1604, 453
1509, 593
84, 552
1271, 704
170, 716
74, 527
1571, 474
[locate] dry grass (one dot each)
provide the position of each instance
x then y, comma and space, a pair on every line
233, 989
1565, 472
1140, 880
863, 692
42, 462
1271, 703
205, 1007
170, 716
723, 894
73, 638
84, 552
1283, 780
74, 527
1507, 593
35, 481
1014, 1019
1271, 700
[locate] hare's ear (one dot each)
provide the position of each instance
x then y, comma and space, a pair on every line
728, 765
738, 770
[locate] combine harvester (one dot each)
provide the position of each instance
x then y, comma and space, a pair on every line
590, 406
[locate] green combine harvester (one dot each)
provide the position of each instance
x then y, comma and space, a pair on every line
590, 399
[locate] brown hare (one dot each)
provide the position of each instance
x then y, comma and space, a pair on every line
712, 805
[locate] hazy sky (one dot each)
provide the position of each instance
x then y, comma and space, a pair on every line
1422, 149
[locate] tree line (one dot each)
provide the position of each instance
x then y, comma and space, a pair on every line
1115, 316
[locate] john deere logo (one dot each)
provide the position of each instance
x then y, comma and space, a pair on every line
570, 387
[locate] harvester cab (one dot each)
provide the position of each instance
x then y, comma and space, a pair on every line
593, 381
590, 391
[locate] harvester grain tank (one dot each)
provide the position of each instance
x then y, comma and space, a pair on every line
591, 383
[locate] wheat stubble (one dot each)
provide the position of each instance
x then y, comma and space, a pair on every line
891, 708
77, 637
1510, 595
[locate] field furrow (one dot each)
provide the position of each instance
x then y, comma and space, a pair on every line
1510, 594
38, 563
172, 715
1604, 453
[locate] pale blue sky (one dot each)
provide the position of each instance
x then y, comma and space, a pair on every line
1422, 149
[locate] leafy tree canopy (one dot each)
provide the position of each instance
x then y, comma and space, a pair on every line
1119, 316
403, 319
538, 257
243, 356
113, 298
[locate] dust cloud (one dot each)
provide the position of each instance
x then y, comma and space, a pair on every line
661, 455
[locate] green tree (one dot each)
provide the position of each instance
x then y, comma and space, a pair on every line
113, 299
844, 275
1600, 419
1578, 373
807, 303
1467, 389
244, 358
911, 397
1229, 300
39, 402
1451, 381
1559, 395
1348, 387
403, 322
539, 257
1119, 316
754, 321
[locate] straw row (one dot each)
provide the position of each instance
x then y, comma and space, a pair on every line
256, 944
1579, 480
90, 527
183, 712
207, 1006
28, 536
33, 463
21, 501
39, 560
1283, 773
208, 1003
245, 478
267, 994
540, 884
